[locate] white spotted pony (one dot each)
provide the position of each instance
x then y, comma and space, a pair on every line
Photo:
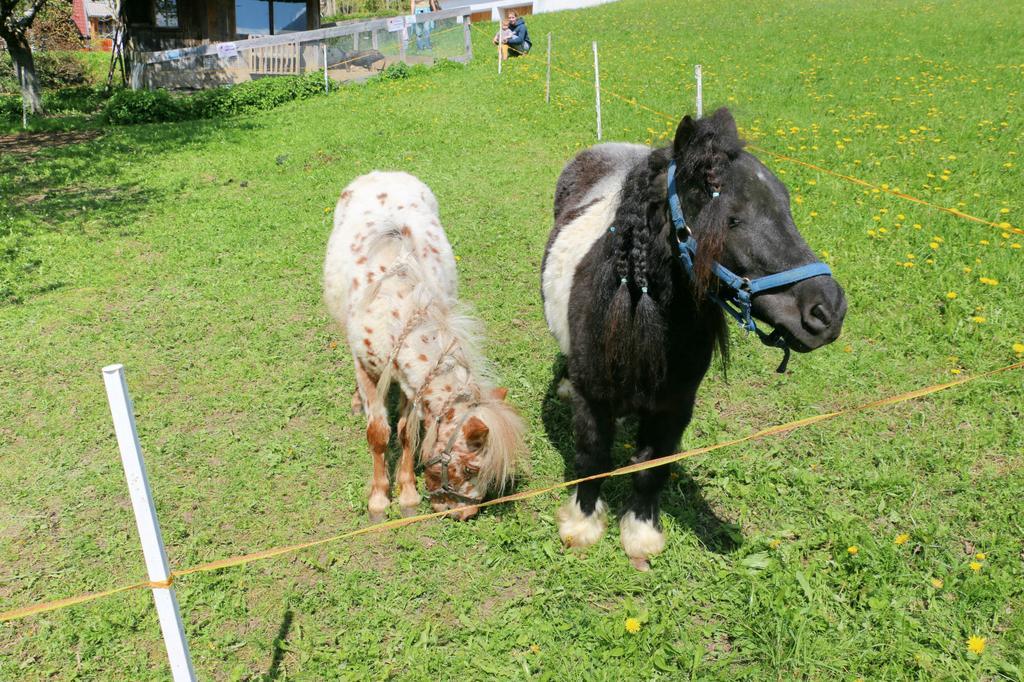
390, 282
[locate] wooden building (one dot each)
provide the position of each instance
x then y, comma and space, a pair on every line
168, 24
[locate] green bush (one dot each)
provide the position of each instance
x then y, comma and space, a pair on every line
142, 106
85, 99
10, 107
54, 70
396, 72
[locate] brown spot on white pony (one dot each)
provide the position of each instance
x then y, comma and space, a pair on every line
366, 342
475, 432
369, 330
394, 314
423, 358
355, 283
377, 434
361, 260
406, 231
499, 393
369, 278
382, 197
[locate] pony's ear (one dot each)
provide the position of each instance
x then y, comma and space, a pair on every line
685, 132
475, 432
724, 126
499, 393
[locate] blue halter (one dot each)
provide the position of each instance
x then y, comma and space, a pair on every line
736, 299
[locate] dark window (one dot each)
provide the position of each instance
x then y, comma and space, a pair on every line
269, 17
289, 16
166, 13
252, 18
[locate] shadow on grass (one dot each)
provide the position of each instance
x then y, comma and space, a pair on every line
76, 185
274, 671
682, 498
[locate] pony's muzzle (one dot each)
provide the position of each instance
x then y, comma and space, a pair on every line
822, 311
460, 511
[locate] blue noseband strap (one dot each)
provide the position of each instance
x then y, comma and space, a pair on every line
736, 296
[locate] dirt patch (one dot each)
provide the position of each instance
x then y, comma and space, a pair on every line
25, 144
518, 587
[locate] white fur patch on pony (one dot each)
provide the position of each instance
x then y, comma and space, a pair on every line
640, 538
565, 390
576, 238
576, 528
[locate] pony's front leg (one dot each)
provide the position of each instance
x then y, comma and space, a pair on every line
640, 527
581, 520
408, 495
378, 433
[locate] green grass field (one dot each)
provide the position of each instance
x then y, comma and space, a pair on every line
191, 253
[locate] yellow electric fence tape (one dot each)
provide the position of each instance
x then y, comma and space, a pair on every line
398, 523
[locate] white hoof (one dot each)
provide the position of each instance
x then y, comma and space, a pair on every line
378, 506
565, 390
641, 539
578, 529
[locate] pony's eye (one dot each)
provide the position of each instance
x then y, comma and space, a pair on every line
734, 222
471, 469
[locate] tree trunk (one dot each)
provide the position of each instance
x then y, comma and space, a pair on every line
21, 55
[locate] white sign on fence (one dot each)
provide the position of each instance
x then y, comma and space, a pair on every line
395, 25
227, 50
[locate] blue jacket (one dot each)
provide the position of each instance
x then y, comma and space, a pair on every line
520, 35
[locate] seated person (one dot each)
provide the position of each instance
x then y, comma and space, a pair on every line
519, 43
501, 39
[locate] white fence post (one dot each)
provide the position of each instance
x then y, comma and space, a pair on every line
149, 528
327, 89
699, 75
597, 91
547, 82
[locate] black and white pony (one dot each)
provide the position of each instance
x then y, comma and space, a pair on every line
635, 296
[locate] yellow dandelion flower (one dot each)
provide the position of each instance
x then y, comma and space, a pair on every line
632, 626
934, 245
967, 270
1004, 210
535, 648
1015, 245
917, 226
978, 319
989, 281
951, 295
954, 371
901, 538
984, 242
980, 556
937, 583
849, 349
976, 644
1018, 348
852, 550
775, 544
975, 566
